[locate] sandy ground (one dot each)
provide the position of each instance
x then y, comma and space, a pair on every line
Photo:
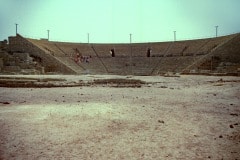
187, 117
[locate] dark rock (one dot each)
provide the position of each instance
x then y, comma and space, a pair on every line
220, 136
160, 121
5, 102
231, 126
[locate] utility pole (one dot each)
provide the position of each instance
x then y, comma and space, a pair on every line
216, 31
48, 34
131, 51
130, 38
88, 37
174, 32
16, 28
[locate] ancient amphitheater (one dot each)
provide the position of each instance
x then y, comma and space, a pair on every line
201, 56
165, 100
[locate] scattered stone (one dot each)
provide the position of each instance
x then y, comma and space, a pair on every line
5, 102
215, 94
220, 136
163, 87
233, 114
160, 121
209, 157
231, 104
231, 126
236, 124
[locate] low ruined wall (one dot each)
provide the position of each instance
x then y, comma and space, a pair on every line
51, 64
12, 69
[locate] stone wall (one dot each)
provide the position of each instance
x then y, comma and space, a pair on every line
51, 64
23, 56
3, 45
1, 64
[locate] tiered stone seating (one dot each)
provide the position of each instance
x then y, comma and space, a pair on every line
40, 44
123, 50
57, 51
69, 48
193, 46
48, 47
128, 65
95, 66
172, 64
159, 49
132, 58
213, 43
139, 49
102, 50
117, 65
144, 66
52, 49
177, 49
183, 62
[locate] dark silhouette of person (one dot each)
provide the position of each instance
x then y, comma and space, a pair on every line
149, 50
112, 52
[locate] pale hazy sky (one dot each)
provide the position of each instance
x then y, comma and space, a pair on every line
113, 20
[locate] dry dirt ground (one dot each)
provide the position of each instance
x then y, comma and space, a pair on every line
187, 117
